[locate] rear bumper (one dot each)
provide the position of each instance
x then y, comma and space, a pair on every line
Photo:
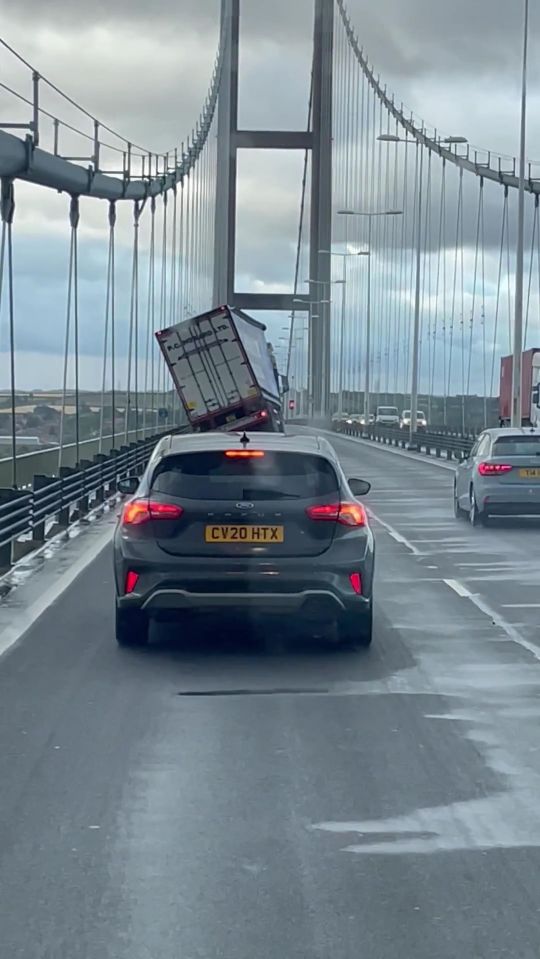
512, 502
310, 603
325, 595
512, 509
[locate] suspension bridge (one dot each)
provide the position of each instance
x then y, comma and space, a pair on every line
405, 266
161, 809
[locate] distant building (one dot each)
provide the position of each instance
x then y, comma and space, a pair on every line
6, 441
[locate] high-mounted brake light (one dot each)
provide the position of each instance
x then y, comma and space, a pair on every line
244, 454
131, 581
139, 511
493, 469
348, 514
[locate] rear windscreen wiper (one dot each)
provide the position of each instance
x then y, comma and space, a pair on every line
267, 494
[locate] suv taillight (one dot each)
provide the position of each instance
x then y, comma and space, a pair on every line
348, 514
493, 469
139, 511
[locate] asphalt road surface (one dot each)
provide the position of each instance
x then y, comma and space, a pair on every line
249, 796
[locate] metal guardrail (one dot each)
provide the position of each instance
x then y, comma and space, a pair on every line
58, 501
46, 460
452, 446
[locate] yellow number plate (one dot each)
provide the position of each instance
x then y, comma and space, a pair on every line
530, 474
256, 535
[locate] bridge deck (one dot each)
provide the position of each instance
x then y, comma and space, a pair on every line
382, 803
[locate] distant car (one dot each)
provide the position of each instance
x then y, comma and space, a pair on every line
387, 416
405, 421
364, 420
255, 525
500, 477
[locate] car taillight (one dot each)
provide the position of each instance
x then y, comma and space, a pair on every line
348, 514
356, 583
244, 454
139, 511
131, 581
493, 469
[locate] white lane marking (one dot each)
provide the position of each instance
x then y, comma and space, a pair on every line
496, 618
25, 618
507, 627
448, 540
520, 605
394, 533
458, 588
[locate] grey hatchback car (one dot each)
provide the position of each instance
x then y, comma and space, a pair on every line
252, 525
500, 477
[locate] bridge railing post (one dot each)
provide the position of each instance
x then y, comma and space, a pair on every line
15, 506
83, 503
64, 513
38, 526
111, 471
99, 460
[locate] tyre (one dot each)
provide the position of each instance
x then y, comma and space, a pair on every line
477, 517
131, 627
355, 630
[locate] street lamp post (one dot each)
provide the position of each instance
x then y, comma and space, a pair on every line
329, 283
323, 284
342, 336
370, 216
391, 138
367, 385
416, 333
343, 282
516, 417
312, 316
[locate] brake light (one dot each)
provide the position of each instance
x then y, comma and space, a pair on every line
493, 469
348, 514
139, 511
244, 454
356, 583
131, 581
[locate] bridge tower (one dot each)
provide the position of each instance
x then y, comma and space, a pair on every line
318, 141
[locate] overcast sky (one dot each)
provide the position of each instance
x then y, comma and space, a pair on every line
144, 68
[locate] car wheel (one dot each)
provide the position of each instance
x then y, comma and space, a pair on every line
131, 627
355, 630
477, 517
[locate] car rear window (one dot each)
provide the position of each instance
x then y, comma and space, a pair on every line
517, 446
387, 411
213, 476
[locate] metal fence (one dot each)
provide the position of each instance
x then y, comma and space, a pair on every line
46, 460
28, 517
447, 444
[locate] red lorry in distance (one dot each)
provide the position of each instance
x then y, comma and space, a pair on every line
530, 392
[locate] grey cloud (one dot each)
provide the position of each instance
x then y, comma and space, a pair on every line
422, 36
407, 38
144, 69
